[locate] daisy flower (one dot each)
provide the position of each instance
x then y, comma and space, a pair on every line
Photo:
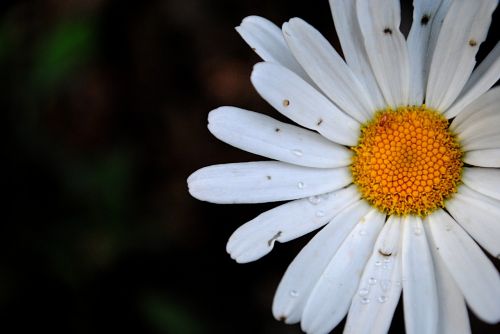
396, 158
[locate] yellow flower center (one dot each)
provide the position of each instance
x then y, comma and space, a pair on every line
407, 161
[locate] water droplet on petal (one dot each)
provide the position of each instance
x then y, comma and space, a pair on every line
301, 185
382, 299
417, 231
378, 263
320, 213
372, 281
363, 291
297, 152
385, 284
294, 293
324, 196
387, 260
363, 232
314, 200
365, 300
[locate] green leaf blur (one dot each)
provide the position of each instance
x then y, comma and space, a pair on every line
59, 53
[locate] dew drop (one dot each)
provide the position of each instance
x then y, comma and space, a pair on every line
320, 213
294, 293
382, 299
372, 281
301, 185
385, 284
297, 152
314, 199
363, 232
397, 283
387, 261
363, 291
417, 231
365, 300
378, 263
324, 196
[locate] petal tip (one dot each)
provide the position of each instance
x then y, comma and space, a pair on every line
194, 188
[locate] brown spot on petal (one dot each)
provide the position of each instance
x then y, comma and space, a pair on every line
286, 103
425, 19
472, 42
319, 122
388, 31
273, 239
381, 252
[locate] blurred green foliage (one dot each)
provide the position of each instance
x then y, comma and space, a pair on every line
101, 187
102, 184
170, 317
67, 46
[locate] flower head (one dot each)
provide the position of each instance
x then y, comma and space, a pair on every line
397, 159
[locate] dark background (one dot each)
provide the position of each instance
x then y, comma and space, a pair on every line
104, 106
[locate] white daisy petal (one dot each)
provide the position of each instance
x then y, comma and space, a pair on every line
479, 215
483, 158
263, 181
485, 127
386, 47
480, 119
419, 285
483, 107
378, 294
263, 135
266, 39
472, 271
437, 23
424, 13
456, 48
328, 70
481, 142
303, 104
453, 317
483, 180
305, 270
482, 79
332, 295
345, 19
286, 222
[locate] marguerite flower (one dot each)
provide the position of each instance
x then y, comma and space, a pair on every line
396, 158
